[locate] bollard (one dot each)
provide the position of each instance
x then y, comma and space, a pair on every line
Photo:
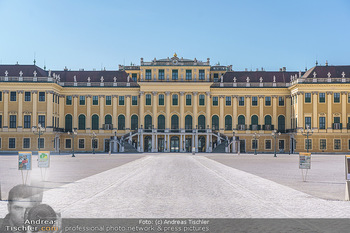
193, 150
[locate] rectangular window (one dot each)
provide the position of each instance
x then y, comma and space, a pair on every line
134, 100
201, 75
336, 97
281, 101
13, 121
307, 122
215, 101
0, 142
108, 100
254, 144
175, 75
95, 100
322, 122
148, 74
134, 77
161, 99
68, 143
322, 97
307, 97
0, 95
12, 143
13, 96
254, 101
27, 121
26, 143
81, 143
188, 100
69, 100
41, 120
308, 144
323, 144
281, 144
228, 100
121, 100
94, 143
160, 74
175, 100
337, 144
348, 143
41, 96
349, 98
148, 99
27, 96
0, 121
188, 74
241, 101
267, 101
267, 144
41, 143
216, 78
82, 100
201, 100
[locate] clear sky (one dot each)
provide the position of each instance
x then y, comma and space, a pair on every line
105, 33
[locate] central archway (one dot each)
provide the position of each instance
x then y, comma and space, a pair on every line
174, 144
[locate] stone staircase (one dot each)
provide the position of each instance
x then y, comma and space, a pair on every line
220, 148
128, 148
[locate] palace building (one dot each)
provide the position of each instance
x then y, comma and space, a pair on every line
174, 105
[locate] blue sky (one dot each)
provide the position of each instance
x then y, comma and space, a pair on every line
247, 34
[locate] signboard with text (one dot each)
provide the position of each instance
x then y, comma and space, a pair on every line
44, 159
347, 167
24, 160
304, 160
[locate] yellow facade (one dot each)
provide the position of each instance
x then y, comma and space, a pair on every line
176, 104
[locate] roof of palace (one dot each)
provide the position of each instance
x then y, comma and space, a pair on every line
22, 70
328, 72
260, 76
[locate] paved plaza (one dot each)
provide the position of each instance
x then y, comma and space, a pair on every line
185, 185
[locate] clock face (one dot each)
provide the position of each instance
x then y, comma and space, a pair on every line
174, 62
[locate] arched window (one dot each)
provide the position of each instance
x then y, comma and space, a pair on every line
228, 122
81, 122
121, 122
134, 122
215, 122
161, 122
68, 121
174, 122
108, 119
281, 123
241, 122
201, 122
188, 122
148, 122
255, 122
268, 120
94, 122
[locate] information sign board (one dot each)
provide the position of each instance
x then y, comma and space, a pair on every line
44, 159
304, 160
25, 160
347, 167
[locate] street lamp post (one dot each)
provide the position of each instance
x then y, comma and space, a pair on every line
275, 135
256, 142
73, 133
93, 142
308, 132
39, 132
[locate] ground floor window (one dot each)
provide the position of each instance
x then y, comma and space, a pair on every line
26, 143
267, 144
323, 144
68, 143
348, 143
41, 143
308, 144
81, 143
281, 144
12, 143
337, 144
94, 143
